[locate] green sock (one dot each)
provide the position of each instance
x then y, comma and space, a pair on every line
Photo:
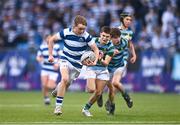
87, 106
124, 93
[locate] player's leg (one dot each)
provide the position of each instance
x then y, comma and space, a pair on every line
52, 80
61, 88
91, 75
100, 100
44, 82
111, 92
100, 84
104, 75
90, 85
110, 105
73, 74
119, 86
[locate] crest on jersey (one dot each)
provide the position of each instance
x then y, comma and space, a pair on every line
128, 37
81, 39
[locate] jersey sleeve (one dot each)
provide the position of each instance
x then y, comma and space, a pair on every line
90, 41
110, 50
132, 37
60, 35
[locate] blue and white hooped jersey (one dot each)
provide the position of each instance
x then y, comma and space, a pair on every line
121, 58
74, 46
43, 51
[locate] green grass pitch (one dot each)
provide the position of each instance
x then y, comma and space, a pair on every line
28, 108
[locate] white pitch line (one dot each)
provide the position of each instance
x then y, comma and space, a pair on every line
94, 123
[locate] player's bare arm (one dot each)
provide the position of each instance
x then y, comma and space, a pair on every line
51, 41
96, 51
133, 52
106, 61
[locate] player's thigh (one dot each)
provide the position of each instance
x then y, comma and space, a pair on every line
64, 69
44, 78
90, 84
100, 84
52, 80
110, 86
51, 84
117, 75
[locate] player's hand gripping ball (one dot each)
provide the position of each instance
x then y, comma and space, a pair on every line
88, 58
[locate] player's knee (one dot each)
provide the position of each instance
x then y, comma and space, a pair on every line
115, 84
111, 90
51, 84
98, 93
90, 90
65, 81
44, 85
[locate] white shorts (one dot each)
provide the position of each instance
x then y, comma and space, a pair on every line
83, 73
97, 74
123, 70
52, 75
73, 72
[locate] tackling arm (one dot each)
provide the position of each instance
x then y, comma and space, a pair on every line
96, 51
106, 61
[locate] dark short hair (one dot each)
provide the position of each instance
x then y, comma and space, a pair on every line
80, 20
106, 29
115, 32
124, 14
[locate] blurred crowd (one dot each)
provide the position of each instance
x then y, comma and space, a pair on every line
24, 23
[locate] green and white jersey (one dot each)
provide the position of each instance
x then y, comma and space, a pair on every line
100, 71
120, 59
127, 34
106, 49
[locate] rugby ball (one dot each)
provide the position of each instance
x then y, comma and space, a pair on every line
88, 54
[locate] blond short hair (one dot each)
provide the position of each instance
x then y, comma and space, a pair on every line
80, 20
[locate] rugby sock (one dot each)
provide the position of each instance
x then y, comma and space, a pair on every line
124, 93
46, 100
87, 106
46, 97
59, 101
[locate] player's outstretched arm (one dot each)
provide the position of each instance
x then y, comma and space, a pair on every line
106, 61
96, 51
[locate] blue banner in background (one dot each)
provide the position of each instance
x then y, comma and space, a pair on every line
20, 71
153, 63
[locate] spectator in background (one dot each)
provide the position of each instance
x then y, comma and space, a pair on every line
157, 39
167, 18
151, 19
54, 15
